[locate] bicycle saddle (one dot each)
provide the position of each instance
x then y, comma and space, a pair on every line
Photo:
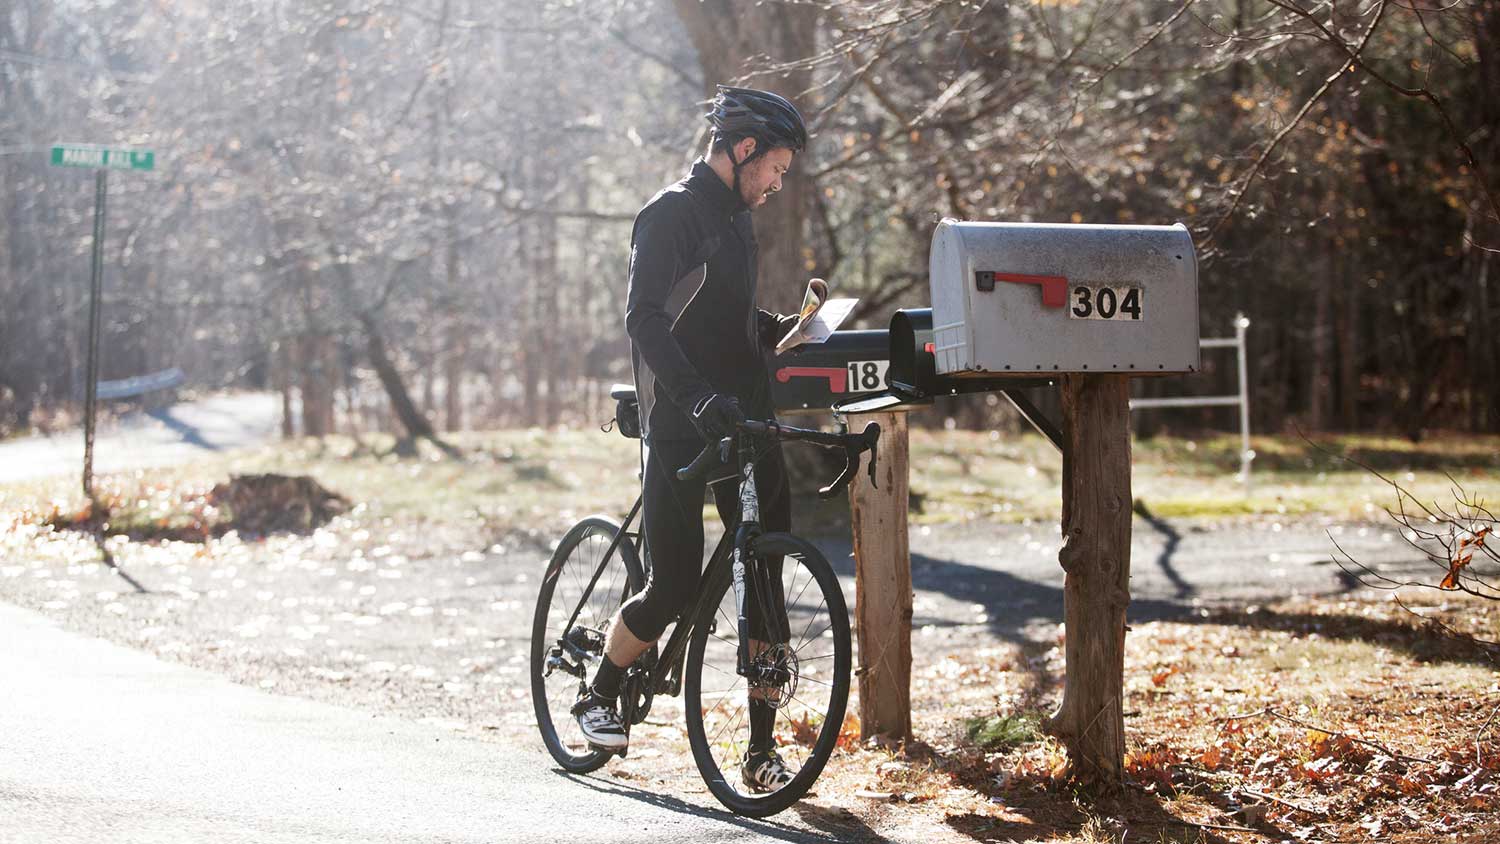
622, 392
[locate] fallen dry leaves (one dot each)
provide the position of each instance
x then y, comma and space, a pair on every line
1306, 721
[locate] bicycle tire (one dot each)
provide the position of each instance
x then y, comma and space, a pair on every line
593, 536
832, 718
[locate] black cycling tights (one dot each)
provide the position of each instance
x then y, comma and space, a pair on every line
673, 524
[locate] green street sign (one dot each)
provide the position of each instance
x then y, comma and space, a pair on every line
102, 157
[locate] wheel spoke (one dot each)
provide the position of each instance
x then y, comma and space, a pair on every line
810, 581
735, 720
726, 694
811, 619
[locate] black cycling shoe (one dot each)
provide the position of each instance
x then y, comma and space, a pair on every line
764, 770
599, 720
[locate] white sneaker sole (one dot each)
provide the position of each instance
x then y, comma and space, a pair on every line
597, 745
606, 742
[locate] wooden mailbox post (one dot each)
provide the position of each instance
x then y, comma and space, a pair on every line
882, 578
1095, 559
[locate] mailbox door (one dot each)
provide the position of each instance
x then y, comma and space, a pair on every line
1037, 298
814, 376
913, 382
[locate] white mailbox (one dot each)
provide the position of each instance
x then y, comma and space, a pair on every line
1048, 298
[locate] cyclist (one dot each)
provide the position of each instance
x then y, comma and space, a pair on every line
698, 347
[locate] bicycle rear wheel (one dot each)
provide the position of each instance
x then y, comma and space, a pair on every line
563, 660
803, 670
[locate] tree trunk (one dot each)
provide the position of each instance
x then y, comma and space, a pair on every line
734, 40
283, 369
453, 378
1317, 379
1348, 337
429, 372
411, 419
317, 383
455, 350
1486, 231
1487, 413
1096, 560
549, 322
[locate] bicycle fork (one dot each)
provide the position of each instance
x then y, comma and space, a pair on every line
746, 531
752, 579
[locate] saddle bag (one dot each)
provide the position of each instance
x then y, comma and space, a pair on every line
628, 417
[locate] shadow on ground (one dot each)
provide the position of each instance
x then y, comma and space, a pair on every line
828, 824
1044, 815
1015, 605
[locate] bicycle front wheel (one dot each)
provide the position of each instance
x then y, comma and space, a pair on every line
800, 677
563, 657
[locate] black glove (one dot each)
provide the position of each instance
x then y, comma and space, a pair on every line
716, 415
772, 327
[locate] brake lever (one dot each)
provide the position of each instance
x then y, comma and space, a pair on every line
704, 462
838, 483
869, 440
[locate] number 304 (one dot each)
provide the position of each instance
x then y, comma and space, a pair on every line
1090, 302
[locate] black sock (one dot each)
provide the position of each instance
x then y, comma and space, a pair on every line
762, 721
607, 679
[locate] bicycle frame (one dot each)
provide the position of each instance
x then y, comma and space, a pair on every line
729, 561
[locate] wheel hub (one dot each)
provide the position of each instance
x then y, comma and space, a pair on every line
773, 675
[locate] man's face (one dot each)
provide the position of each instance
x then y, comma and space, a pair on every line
762, 177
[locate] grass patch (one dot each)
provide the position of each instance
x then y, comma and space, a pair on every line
960, 476
535, 482
540, 481
1003, 732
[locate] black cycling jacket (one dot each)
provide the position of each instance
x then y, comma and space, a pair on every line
690, 311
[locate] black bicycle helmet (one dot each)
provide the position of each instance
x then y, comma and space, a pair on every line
768, 118
747, 113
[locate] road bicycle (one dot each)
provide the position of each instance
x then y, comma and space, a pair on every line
777, 632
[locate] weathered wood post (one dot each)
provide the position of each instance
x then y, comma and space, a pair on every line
1095, 558
882, 576
1093, 305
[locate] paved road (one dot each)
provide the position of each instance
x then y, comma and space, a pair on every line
158, 437
1004, 580
103, 743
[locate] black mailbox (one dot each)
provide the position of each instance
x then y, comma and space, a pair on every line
913, 379
815, 376
892, 370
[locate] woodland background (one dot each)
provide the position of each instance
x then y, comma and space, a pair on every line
418, 213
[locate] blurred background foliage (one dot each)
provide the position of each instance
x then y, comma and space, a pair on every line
418, 214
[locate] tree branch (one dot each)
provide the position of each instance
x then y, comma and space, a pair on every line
1355, 58
1244, 182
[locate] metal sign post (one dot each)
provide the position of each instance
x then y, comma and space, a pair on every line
101, 160
96, 284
